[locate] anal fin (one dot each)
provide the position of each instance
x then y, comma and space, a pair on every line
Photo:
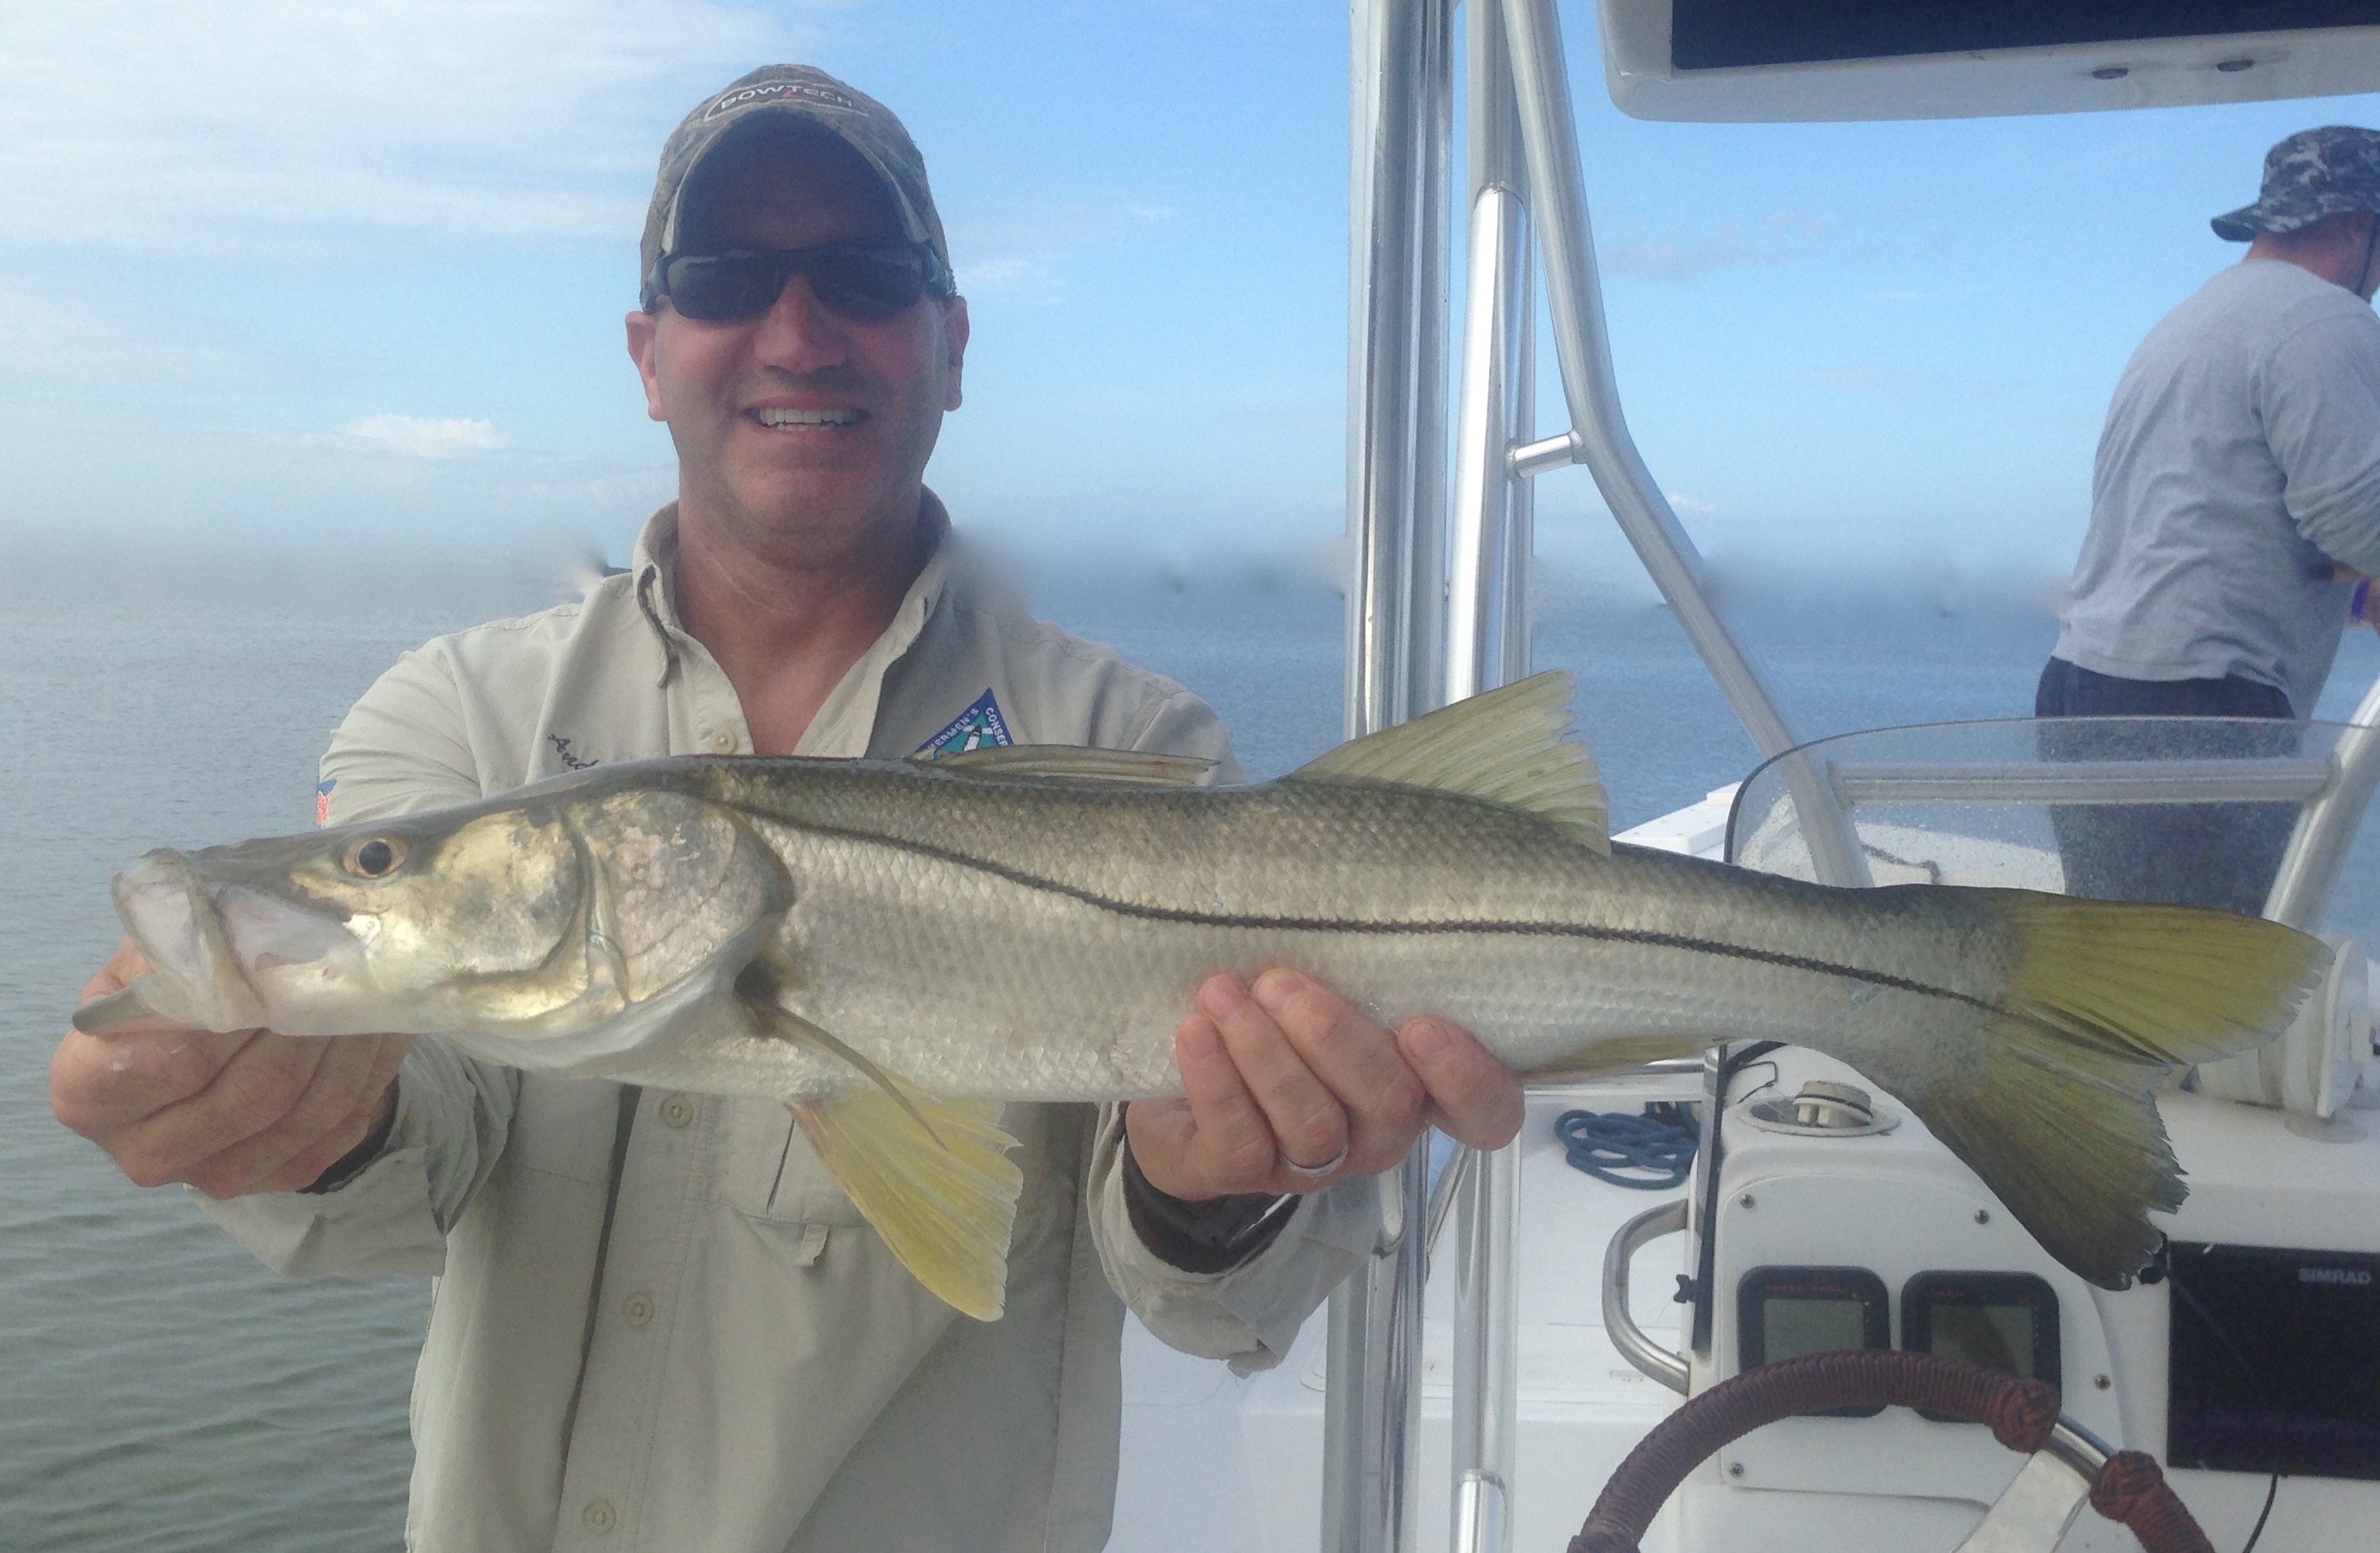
944, 1200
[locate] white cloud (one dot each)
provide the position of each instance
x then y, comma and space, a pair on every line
198, 125
419, 437
1680, 501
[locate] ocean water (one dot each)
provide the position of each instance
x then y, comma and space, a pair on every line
158, 1388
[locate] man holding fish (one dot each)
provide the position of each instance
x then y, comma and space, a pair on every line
668, 1317
661, 1322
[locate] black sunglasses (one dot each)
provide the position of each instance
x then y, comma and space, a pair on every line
872, 277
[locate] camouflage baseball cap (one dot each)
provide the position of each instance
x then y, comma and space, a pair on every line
796, 91
2314, 173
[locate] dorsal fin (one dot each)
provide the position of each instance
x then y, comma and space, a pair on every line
1074, 763
1505, 746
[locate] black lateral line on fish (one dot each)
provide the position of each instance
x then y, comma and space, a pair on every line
1636, 936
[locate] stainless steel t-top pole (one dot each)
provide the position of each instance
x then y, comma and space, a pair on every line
1400, 105
1600, 436
1487, 645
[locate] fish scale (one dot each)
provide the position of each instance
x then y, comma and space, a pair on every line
1054, 983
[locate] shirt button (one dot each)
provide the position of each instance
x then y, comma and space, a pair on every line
600, 1516
676, 1111
722, 741
638, 1309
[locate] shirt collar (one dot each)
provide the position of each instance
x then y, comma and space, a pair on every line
653, 571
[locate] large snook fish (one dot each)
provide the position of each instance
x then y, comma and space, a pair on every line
890, 946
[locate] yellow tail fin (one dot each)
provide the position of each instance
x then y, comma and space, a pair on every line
2104, 1001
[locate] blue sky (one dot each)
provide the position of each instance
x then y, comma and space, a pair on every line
311, 274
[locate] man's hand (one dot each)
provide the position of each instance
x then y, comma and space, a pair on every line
1285, 1072
230, 1114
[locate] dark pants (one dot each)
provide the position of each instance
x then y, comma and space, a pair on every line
2205, 854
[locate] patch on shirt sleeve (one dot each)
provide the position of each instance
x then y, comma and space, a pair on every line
323, 799
980, 726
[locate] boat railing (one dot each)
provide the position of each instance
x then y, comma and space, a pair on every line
1437, 610
2317, 855
2246, 780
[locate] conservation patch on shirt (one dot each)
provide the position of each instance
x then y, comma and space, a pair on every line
323, 799
979, 726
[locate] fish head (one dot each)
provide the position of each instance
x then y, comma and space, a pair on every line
398, 925
526, 929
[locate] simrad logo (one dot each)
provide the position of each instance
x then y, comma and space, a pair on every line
2356, 1277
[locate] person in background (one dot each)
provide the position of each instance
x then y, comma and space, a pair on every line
2234, 509
659, 1324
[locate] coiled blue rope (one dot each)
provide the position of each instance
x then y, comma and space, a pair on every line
1603, 1143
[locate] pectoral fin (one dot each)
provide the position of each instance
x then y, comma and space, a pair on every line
757, 988
944, 1200
933, 1176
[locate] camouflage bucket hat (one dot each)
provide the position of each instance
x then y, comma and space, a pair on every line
789, 91
2314, 173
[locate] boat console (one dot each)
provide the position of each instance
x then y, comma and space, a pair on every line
1825, 1220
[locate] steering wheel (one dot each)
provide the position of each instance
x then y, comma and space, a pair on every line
2068, 1465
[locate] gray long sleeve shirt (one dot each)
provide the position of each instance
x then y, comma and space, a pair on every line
730, 1361
2240, 458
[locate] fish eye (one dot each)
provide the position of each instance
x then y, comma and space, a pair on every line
376, 857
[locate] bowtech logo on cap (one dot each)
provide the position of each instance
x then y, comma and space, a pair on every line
794, 91
808, 91
2313, 175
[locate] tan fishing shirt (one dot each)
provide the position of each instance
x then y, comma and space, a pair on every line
716, 1353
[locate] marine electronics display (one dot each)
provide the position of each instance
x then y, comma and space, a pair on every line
2276, 1361
2004, 1321
1749, 61
1719, 34
1785, 1313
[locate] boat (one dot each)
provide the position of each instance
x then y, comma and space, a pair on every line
1524, 1330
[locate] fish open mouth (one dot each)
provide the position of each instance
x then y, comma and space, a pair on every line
210, 947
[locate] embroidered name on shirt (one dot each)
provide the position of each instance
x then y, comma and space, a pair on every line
561, 747
979, 726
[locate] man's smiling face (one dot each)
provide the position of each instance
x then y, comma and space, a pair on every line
804, 432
